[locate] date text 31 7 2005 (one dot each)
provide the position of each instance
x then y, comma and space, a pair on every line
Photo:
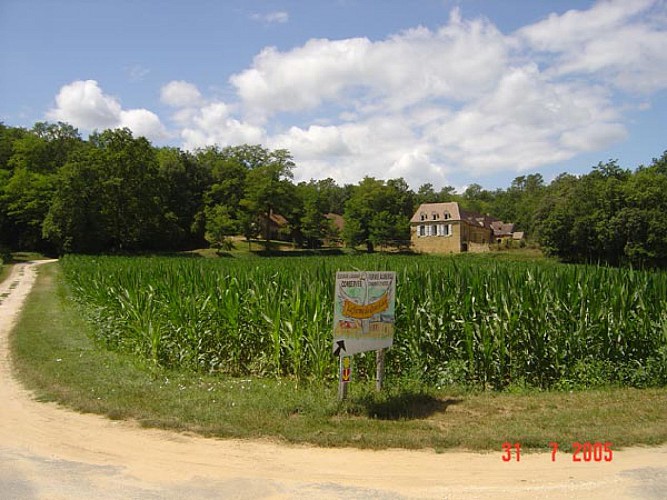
581, 452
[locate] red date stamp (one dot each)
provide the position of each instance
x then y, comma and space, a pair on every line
581, 452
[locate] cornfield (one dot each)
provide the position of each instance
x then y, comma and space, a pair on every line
465, 321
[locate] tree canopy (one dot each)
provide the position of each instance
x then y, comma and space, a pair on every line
116, 192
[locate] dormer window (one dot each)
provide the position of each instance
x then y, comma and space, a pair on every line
422, 216
435, 216
447, 215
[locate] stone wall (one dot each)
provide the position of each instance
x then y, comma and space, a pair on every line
478, 247
463, 238
437, 244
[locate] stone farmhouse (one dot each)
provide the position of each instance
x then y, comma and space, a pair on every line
445, 228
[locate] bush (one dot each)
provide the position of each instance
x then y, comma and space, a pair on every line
5, 255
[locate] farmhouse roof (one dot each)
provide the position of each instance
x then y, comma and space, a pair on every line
276, 219
429, 209
476, 219
337, 220
435, 211
501, 228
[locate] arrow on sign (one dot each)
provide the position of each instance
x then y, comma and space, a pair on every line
341, 345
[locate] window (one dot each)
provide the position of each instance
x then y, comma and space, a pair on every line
435, 216
422, 216
442, 229
447, 215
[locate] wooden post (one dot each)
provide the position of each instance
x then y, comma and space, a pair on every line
379, 369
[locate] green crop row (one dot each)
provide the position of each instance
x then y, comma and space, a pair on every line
465, 321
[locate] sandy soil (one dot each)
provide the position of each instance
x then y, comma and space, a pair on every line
50, 452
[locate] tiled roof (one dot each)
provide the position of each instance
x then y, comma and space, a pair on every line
428, 209
278, 219
501, 228
337, 220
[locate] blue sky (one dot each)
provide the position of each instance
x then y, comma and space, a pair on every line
446, 92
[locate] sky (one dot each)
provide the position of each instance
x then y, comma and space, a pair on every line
447, 92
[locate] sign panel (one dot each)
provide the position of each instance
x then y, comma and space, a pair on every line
364, 311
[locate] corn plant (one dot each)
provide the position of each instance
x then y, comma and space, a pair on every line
471, 321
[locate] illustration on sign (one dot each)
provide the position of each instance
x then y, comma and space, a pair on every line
364, 311
346, 370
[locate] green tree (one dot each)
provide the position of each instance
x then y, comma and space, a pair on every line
477, 199
268, 190
378, 212
227, 168
520, 202
577, 220
26, 198
75, 222
9, 136
130, 188
116, 181
331, 196
29, 162
309, 211
426, 194
219, 227
555, 216
183, 182
640, 224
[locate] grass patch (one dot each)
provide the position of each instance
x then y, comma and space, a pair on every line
5, 269
8, 260
243, 248
257, 248
59, 361
27, 256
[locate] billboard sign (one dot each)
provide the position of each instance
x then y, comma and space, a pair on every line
364, 307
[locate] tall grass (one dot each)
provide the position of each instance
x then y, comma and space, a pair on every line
469, 321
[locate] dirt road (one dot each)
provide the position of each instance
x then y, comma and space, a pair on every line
49, 452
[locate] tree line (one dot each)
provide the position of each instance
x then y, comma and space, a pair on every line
115, 192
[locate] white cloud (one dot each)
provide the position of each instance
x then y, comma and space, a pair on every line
458, 61
206, 122
84, 105
528, 121
424, 104
180, 94
143, 123
213, 124
137, 72
569, 30
380, 147
619, 41
593, 137
277, 17
463, 98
